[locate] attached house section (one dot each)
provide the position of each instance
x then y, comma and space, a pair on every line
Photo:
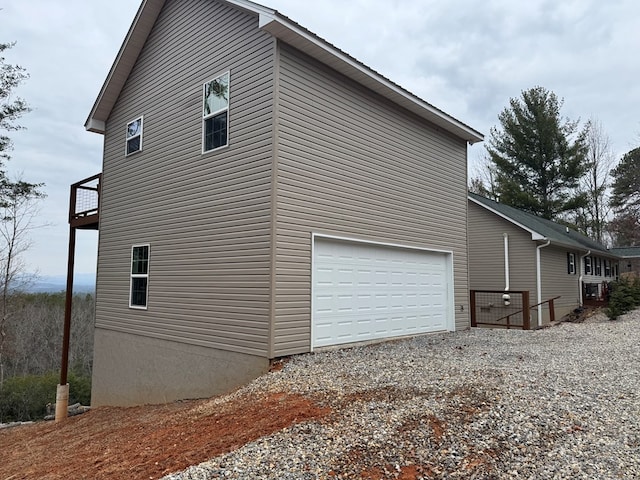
514, 250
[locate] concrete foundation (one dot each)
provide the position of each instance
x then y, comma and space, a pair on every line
134, 370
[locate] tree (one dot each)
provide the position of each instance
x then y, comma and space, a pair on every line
17, 211
483, 180
625, 199
592, 217
625, 196
538, 156
10, 108
17, 198
625, 229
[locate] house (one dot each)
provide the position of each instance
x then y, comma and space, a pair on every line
263, 194
513, 250
630, 260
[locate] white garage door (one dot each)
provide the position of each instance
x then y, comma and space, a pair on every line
365, 291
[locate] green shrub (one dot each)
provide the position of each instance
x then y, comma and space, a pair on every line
25, 398
625, 296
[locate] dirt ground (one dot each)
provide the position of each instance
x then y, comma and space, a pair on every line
145, 442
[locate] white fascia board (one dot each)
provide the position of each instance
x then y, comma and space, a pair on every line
535, 236
302, 39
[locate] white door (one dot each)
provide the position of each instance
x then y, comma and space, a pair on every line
365, 291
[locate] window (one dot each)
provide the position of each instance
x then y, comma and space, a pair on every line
607, 268
598, 265
587, 266
571, 263
134, 136
139, 276
215, 113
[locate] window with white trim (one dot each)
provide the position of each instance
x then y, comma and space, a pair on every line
139, 291
134, 136
607, 268
571, 263
588, 266
598, 265
215, 113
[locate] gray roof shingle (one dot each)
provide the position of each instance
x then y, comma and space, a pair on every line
555, 232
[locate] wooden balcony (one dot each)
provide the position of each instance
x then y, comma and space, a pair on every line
84, 203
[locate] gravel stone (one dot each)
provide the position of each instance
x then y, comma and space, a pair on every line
561, 402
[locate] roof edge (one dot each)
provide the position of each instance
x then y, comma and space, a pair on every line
277, 25
535, 236
356, 69
120, 69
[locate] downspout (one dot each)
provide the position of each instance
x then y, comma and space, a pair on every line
506, 262
581, 276
506, 299
539, 280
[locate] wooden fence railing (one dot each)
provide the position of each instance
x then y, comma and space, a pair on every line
505, 309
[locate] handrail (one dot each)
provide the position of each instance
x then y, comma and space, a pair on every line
542, 303
552, 314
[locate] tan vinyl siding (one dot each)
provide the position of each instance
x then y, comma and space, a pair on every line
486, 253
557, 281
352, 164
206, 217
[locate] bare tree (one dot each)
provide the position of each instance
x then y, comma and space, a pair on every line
18, 209
592, 218
482, 180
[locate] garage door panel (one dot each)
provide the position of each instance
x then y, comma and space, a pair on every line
364, 292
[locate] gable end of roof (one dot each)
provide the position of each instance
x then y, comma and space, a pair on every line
289, 32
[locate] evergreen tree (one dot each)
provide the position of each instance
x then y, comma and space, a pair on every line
10, 108
625, 197
536, 159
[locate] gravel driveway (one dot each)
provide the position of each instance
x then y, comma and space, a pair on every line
563, 402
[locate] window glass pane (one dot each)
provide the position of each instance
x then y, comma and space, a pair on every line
140, 262
134, 128
139, 292
133, 144
215, 131
216, 94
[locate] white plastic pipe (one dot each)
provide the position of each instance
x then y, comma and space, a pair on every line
506, 262
582, 257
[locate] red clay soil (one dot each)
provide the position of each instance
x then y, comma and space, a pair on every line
145, 442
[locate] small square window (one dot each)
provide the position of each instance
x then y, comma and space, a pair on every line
139, 276
215, 113
134, 136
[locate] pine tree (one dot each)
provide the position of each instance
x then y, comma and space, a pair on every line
536, 159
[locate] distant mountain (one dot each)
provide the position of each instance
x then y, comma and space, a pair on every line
82, 283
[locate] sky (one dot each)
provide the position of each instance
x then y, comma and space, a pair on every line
465, 57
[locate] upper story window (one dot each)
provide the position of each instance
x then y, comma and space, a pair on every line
598, 265
215, 113
571, 263
588, 270
607, 268
134, 136
139, 276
